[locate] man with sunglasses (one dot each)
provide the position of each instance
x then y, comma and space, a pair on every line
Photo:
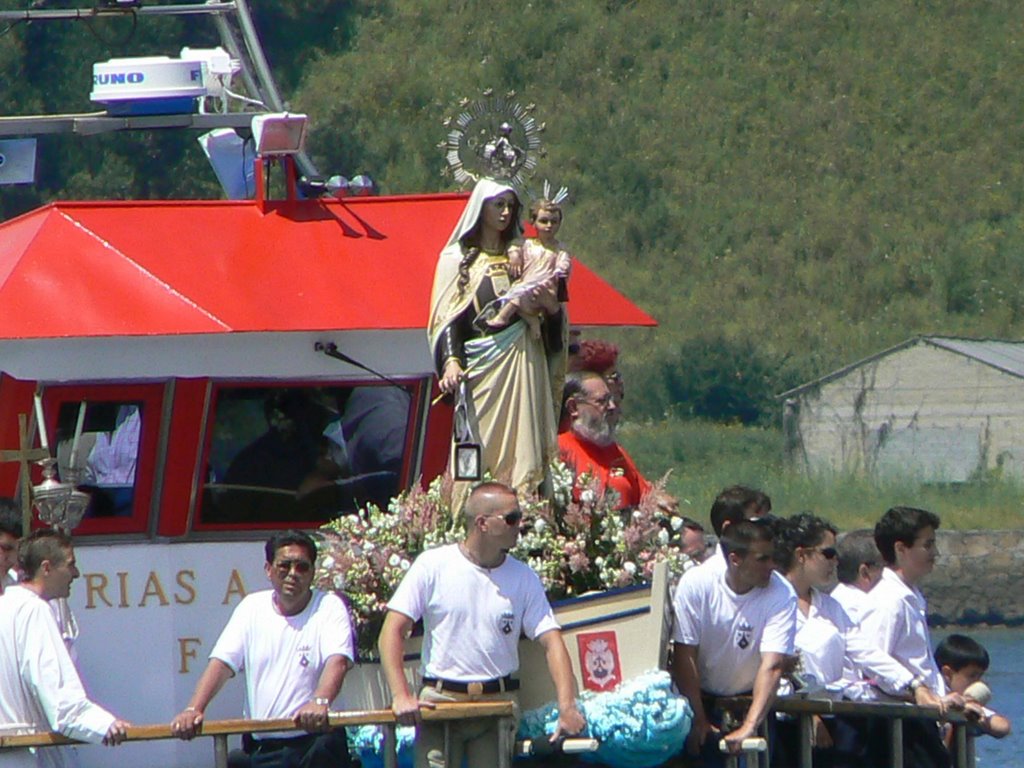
475, 601
295, 645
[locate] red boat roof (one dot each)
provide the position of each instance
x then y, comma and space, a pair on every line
156, 268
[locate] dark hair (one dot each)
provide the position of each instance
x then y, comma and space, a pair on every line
40, 546
760, 501
470, 241
288, 538
740, 535
901, 524
801, 530
693, 525
856, 548
732, 505
959, 651
10, 518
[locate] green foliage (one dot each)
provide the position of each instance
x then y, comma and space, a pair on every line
705, 457
786, 187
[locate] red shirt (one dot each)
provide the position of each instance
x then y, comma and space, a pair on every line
610, 464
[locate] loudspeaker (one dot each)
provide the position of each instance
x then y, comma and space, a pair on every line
232, 161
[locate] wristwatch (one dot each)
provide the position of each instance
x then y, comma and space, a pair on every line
913, 685
320, 701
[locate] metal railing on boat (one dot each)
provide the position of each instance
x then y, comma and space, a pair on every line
220, 730
805, 708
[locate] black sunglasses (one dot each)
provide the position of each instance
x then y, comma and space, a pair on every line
829, 553
300, 566
511, 518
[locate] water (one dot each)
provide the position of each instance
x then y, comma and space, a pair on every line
1005, 677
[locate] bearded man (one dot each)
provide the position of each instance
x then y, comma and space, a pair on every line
588, 446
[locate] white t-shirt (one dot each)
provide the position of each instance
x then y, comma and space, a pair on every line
897, 620
283, 656
40, 690
731, 630
473, 617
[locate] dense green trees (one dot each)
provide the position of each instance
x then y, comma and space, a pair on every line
785, 186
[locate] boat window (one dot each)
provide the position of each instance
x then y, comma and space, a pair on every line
303, 454
105, 444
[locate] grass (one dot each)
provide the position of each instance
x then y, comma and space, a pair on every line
705, 457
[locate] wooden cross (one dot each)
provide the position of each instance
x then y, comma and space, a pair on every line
23, 456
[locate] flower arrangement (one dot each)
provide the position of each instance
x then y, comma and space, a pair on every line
575, 546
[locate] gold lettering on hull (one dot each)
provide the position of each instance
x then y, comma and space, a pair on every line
98, 589
96, 586
235, 587
155, 589
186, 651
186, 580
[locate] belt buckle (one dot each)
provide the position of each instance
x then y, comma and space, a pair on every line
475, 689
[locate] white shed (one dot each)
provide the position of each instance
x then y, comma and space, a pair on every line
933, 408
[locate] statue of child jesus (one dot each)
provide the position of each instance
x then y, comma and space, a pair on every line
541, 265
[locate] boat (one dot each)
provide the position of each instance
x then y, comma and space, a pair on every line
166, 349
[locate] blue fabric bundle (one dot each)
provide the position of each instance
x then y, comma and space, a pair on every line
641, 723
367, 742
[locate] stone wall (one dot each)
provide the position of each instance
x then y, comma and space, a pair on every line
978, 579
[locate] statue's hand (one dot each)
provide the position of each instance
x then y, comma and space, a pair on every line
453, 374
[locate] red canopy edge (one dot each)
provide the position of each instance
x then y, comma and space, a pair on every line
156, 268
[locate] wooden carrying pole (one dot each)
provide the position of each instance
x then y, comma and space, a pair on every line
221, 729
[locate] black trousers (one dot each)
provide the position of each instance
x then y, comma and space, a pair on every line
311, 750
863, 742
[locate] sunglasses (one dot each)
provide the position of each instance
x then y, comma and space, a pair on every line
511, 518
285, 567
829, 553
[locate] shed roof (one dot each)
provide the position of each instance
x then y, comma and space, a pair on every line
166, 268
1006, 356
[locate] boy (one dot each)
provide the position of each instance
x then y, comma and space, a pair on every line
962, 661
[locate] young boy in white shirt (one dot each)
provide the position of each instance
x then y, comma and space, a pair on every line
963, 661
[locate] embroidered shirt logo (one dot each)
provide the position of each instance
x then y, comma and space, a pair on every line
506, 622
744, 635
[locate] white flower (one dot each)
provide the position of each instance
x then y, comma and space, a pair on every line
587, 496
599, 562
394, 560
339, 581
637, 514
368, 546
677, 523
629, 567
405, 564
540, 524
327, 562
663, 537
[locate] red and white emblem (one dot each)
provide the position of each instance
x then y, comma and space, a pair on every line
599, 658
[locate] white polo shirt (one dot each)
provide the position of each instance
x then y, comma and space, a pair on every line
897, 620
731, 630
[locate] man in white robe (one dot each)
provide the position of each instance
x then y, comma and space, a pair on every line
40, 690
